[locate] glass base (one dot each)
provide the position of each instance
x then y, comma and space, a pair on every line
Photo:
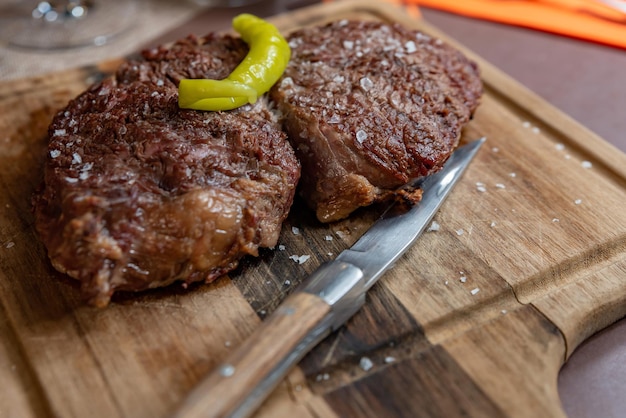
64, 24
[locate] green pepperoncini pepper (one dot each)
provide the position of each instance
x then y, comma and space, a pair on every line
265, 62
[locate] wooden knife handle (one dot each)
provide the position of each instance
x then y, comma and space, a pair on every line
228, 391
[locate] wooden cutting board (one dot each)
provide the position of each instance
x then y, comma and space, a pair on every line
476, 320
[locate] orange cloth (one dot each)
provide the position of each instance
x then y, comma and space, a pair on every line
582, 19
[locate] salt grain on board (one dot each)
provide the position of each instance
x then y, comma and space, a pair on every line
475, 290
295, 230
365, 363
586, 164
434, 227
299, 259
578, 201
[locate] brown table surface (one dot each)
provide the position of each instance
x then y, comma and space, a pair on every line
586, 81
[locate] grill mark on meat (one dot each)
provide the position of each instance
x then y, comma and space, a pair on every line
369, 107
139, 193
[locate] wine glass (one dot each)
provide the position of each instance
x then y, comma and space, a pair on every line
59, 24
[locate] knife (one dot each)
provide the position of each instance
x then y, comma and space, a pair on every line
324, 302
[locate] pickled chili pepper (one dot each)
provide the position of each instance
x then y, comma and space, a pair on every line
265, 62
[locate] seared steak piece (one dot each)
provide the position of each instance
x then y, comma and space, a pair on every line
369, 107
139, 193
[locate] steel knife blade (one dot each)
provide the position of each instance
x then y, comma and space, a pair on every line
324, 302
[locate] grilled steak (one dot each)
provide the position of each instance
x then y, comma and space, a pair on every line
369, 107
139, 193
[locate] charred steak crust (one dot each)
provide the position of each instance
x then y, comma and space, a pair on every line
139, 193
370, 106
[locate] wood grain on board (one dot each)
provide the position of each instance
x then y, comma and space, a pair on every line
476, 319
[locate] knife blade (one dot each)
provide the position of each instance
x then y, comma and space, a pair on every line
324, 302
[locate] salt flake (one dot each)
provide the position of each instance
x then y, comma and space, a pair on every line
299, 259
365, 363
366, 83
434, 227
